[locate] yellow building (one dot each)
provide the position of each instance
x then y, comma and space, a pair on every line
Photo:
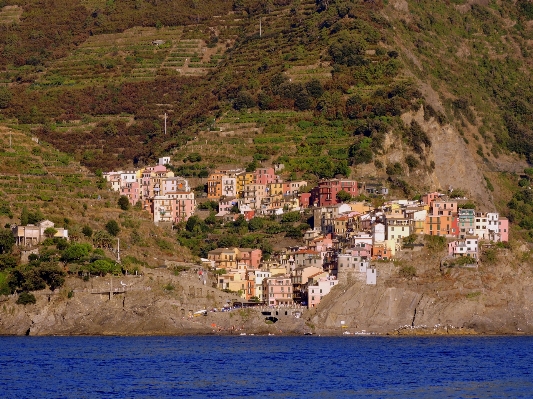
361, 207
243, 179
275, 189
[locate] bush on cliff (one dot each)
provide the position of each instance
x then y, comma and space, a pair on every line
26, 298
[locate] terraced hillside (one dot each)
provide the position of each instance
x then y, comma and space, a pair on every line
51, 185
425, 94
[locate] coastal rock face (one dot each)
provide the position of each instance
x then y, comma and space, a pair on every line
158, 303
492, 299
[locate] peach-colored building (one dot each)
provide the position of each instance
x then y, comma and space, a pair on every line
214, 185
230, 258
173, 207
293, 187
254, 194
278, 290
299, 278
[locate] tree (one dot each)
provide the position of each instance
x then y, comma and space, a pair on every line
7, 261
5, 97
124, 203
255, 224
314, 88
290, 217
76, 252
87, 231
24, 216
50, 232
35, 217
112, 227
52, 274
6, 241
102, 239
343, 196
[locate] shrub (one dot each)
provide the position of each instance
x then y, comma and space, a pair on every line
87, 231
435, 243
26, 298
407, 271
112, 227
124, 203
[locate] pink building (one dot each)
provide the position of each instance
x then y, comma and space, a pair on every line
225, 205
173, 207
172, 184
503, 224
266, 176
443, 207
132, 191
364, 250
430, 197
251, 257
278, 290
321, 244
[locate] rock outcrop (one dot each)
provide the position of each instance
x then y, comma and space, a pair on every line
492, 299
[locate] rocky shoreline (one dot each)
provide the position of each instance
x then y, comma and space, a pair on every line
161, 303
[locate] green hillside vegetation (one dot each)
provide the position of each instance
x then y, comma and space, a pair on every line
329, 66
38, 182
318, 90
479, 59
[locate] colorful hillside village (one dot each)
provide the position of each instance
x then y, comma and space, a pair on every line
347, 240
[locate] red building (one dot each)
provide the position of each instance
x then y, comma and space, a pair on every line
328, 190
305, 200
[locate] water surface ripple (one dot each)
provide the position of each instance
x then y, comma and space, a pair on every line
274, 367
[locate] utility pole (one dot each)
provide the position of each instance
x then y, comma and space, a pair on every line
165, 123
260, 27
118, 250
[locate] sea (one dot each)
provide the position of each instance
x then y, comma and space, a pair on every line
266, 367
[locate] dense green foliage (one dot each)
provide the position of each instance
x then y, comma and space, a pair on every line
202, 236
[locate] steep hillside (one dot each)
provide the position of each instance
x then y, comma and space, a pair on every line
427, 95
38, 180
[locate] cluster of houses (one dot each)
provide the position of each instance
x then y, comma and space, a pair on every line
167, 197
290, 278
264, 193
345, 243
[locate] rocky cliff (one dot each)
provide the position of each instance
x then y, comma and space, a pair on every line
494, 298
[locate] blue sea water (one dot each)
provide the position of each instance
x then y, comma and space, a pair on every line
273, 367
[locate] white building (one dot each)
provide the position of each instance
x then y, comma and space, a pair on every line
258, 276
352, 267
316, 292
164, 161
467, 247
378, 231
